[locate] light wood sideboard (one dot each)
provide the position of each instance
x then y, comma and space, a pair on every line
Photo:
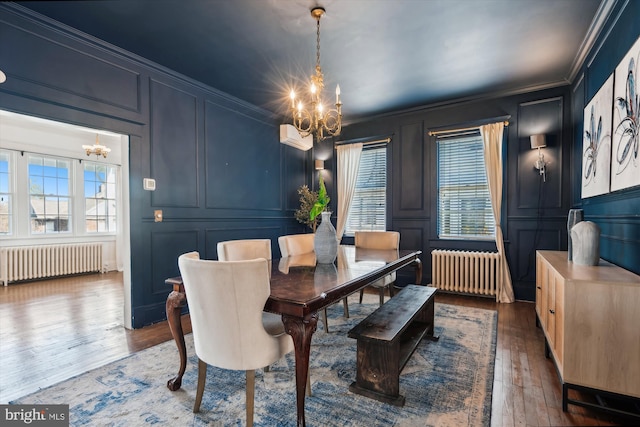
590, 316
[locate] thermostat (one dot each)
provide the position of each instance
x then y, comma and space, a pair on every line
149, 184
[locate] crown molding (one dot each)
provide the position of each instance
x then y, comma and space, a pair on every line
594, 31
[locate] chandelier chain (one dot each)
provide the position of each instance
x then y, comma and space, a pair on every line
318, 44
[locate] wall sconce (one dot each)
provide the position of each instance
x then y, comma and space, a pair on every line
539, 141
3, 77
319, 165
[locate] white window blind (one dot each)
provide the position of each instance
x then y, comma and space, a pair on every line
369, 206
464, 204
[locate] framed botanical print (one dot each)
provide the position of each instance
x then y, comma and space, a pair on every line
596, 142
625, 156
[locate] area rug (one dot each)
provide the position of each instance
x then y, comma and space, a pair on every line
446, 383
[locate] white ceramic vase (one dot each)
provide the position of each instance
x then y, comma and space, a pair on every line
586, 243
325, 242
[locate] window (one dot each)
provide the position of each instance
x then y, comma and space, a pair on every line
369, 206
5, 192
46, 196
49, 195
464, 204
100, 197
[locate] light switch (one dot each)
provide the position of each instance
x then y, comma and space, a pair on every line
157, 215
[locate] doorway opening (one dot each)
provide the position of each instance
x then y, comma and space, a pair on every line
52, 193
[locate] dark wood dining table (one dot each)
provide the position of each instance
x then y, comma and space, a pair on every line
299, 290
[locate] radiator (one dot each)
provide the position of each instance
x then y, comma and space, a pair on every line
466, 272
37, 262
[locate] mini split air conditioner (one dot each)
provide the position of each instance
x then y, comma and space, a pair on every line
290, 136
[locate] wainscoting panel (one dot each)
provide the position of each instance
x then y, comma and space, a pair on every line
174, 146
166, 247
540, 117
242, 156
577, 112
296, 171
413, 235
410, 177
619, 231
70, 77
526, 236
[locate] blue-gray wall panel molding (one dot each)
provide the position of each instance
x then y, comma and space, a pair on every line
243, 161
413, 235
542, 116
166, 247
411, 180
48, 67
577, 120
174, 146
528, 236
296, 169
143, 315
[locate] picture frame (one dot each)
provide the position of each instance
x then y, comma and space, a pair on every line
596, 142
625, 141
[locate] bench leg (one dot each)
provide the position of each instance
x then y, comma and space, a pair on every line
378, 372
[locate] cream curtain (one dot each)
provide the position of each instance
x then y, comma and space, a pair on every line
492, 141
348, 165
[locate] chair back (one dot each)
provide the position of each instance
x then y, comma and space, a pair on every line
377, 239
296, 244
226, 299
240, 250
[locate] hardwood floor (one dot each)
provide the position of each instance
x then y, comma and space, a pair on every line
52, 330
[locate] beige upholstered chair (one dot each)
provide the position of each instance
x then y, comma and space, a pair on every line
226, 299
243, 250
240, 250
296, 244
379, 240
299, 244
246, 249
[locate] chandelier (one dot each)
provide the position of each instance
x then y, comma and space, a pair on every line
314, 119
97, 149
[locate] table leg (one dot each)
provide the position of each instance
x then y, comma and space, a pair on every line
175, 301
301, 331
418, 266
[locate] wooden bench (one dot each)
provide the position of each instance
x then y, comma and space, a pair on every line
386, 340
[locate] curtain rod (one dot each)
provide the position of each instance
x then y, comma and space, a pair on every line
440, 132
355, 141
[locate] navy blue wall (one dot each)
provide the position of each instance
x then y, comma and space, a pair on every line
617, 213
534, 215
220, 170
